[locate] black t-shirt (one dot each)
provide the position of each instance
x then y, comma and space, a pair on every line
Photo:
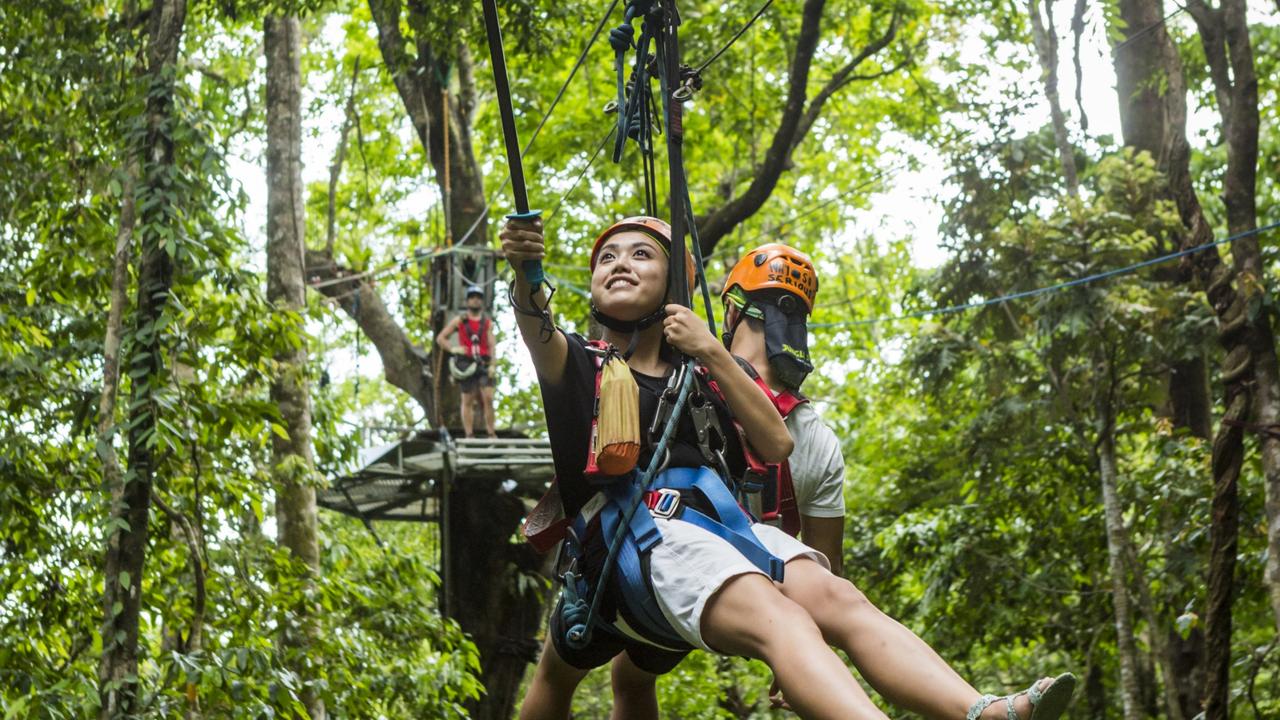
568, 407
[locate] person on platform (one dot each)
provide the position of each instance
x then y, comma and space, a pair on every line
473, 361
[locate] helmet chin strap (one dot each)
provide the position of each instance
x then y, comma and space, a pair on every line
726, 337
635, 327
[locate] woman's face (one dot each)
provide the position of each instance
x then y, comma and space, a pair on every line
630, 277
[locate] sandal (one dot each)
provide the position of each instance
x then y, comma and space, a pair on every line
1047, 704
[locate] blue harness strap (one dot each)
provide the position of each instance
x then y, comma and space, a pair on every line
731, 523
631, 574
635, 590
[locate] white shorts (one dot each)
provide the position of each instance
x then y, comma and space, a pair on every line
691, 564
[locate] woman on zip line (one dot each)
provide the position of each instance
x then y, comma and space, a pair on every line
713, 584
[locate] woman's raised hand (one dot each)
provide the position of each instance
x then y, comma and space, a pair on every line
688, 333
522, 240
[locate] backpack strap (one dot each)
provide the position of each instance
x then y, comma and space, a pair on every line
778, 493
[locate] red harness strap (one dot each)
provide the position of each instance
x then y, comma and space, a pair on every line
778, 496
601, 349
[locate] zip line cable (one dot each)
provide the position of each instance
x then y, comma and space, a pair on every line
734, 39
582, 57
402, 264
1116, 50
951, 310
600, 148
375, 272
773, 232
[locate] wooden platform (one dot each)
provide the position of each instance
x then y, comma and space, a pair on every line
405, 480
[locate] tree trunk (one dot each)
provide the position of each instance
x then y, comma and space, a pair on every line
1161, 651
1234, 334
1046, 40
1224, 34
127, 527
1143, 122
1189, 403
292, 465
1187, 660
422, 80
1117, 539
111, 473
1095, 693
485, 595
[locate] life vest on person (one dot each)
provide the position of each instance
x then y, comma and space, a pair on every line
699, 496
473, 335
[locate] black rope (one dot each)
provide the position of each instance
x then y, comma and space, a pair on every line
735, 37
669, 75
649, 160
700, 264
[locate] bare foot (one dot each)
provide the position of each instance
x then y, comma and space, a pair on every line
1021, 704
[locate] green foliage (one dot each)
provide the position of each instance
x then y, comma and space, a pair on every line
975, 511
72, 116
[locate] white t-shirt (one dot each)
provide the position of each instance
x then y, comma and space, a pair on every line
817, 466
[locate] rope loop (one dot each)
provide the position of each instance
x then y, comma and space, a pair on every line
575, 613
622, 38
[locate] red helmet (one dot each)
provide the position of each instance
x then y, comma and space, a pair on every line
657, 229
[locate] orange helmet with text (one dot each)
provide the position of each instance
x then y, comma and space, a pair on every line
655, 228
774, 267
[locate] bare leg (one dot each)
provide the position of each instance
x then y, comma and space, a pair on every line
635, 692
550, 693
894, 660
466, 408
486, 407
750, 617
